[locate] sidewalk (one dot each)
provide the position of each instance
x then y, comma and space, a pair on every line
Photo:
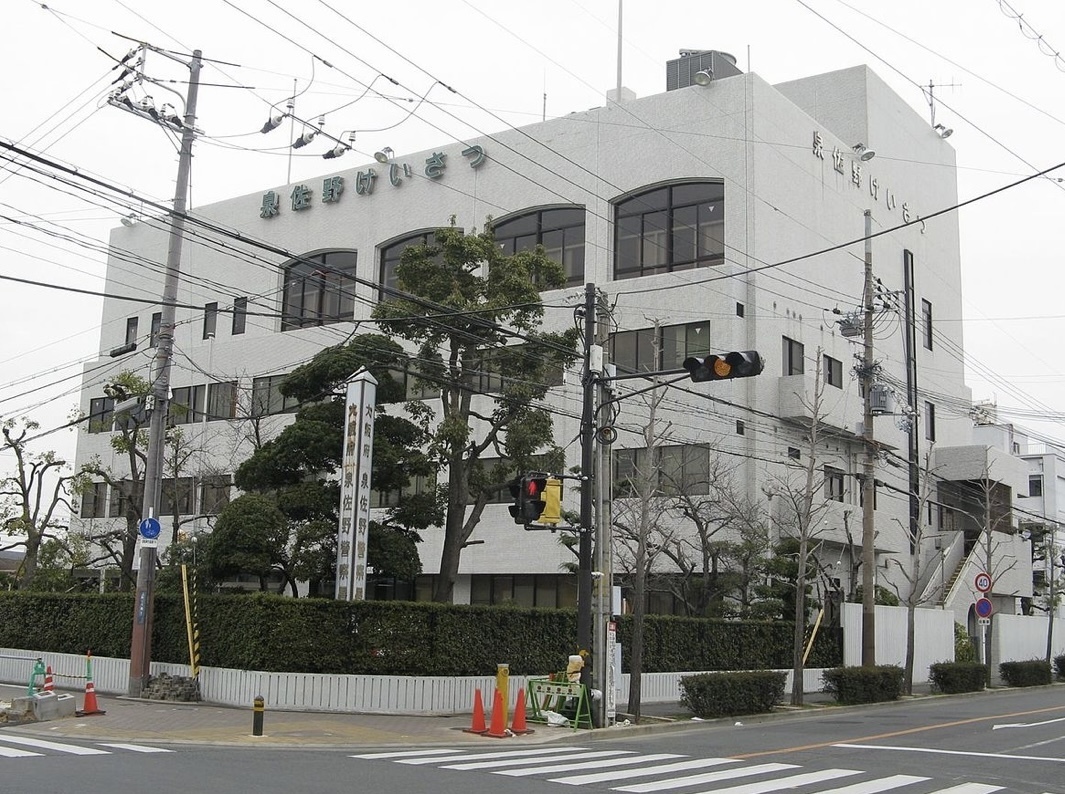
152, 721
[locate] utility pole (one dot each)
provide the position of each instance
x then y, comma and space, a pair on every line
140, 655
584, 548
869, 468
605, 709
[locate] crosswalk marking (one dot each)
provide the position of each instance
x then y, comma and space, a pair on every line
504, 762
626, 774
784, 783
41, 744
706, 777
392, 754
137, 748
969, 788
878, 785
601, 764
460, 756
11, 752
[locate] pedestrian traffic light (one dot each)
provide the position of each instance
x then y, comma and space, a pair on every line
537, 499
724, 366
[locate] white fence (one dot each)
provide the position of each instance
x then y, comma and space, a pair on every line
1015, 638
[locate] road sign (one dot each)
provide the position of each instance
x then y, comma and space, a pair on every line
983, 582
150, 528
984, 608
983, 621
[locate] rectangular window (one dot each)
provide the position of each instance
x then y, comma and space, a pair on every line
741, 427
210, 320
186, 405
833, 372
417, 485
176, 496
94, 501
634, 351
240, 315
157, 324
222, 400
682, 468
214, 494
101, 413
926, 323
833, 484
929, 421
125, 497
794, 363
1035, 485
794, 453
266, 397
131, 330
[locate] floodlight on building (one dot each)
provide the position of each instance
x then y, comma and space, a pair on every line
384, 156
864, 153
703, 77
129, 220
944, 132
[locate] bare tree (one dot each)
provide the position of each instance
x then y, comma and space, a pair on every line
34, 499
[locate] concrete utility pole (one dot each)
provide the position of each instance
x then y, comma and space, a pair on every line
584, 548
605, 708
140, 655
869, 468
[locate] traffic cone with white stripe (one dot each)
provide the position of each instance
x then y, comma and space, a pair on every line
519, 727
49, 684
91, 707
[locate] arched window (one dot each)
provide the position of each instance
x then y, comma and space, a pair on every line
676, 227
319, 290
560, 231
391, 253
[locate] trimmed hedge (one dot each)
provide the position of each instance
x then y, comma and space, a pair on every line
854, 685
1035, 672
710, 695
311, 635
950, 678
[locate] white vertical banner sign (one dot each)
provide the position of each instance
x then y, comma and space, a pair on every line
354, 527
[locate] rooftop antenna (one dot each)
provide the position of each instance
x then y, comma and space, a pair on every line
929, 93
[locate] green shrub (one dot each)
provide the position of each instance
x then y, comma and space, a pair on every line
1059, 666
964, 650
852, 685
730, 694
953, 677
1035, 672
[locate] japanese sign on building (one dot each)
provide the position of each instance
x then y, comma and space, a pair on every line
301, 197
353, 530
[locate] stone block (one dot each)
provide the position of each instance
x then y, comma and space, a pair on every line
67, 705
45, 706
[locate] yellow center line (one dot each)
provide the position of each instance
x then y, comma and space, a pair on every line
904, 732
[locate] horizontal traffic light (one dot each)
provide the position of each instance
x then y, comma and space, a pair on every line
724, 366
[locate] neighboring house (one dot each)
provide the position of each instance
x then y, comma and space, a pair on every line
731, 214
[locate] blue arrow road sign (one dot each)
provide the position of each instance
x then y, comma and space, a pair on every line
150, 528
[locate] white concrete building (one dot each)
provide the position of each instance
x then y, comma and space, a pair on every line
731, 214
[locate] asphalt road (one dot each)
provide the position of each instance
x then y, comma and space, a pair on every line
1013, 741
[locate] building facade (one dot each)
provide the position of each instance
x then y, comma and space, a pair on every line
727, 214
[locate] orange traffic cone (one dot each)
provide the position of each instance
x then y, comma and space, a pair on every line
49, 684
478, 725
518, 726
91, 706
499, 728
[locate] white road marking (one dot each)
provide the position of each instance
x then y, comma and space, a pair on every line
137, 748
493, 754
952, 752
11, 752
706, 777
875, 786
1027, 724
500, 762
41, 744
784, 783
969, 788
602, 764
404, 753
628, 774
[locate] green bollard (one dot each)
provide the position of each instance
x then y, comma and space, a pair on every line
257, 716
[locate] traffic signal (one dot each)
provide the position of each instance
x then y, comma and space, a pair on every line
537, 499
724, 366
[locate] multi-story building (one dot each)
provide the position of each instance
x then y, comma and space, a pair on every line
723, 214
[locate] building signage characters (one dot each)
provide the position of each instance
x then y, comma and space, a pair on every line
271, 205
839, 165
332, 187
435, 165
476, 155
301, 198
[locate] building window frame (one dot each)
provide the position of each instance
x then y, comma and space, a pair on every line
390, 254
833, 371
131, 330
210, 320
633, 351
1035, 485
157, 324
929, 421
834, 484
101, 415
926, 323
267, 399
319, 289
561, 230
793, 356
240, 316
664, 229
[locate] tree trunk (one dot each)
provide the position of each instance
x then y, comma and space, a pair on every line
454, 521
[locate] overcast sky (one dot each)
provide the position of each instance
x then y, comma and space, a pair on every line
997, 84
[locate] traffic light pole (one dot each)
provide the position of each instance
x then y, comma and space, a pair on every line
590, 383
869, 468
140, 654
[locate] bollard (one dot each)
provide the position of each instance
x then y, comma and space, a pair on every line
257, 717
503, 686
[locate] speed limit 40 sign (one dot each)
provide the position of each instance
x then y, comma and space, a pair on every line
983, 582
